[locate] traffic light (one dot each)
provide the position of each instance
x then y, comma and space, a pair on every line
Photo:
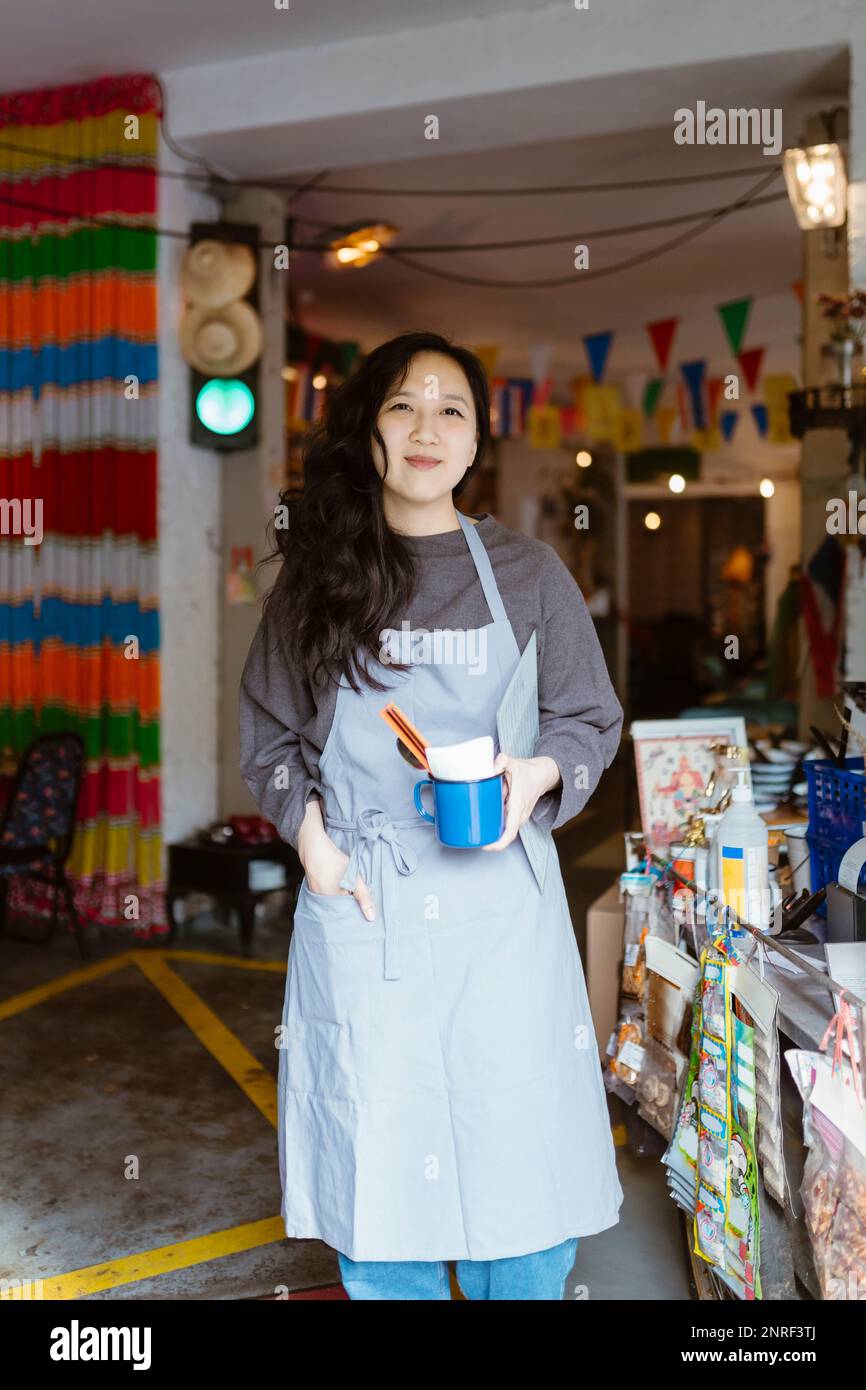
221, 334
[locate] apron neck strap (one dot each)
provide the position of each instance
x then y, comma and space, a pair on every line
484, 569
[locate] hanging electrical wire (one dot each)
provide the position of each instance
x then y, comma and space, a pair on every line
706, 217
311, 185
596, 234
581, 277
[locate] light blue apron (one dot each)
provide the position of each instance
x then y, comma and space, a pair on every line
440, 1092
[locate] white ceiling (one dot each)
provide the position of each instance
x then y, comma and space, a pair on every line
594, 128
48, 42
755, 251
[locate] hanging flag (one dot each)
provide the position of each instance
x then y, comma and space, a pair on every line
728, 422
542, 391
567, 422
750, 363
539, 360
488, 356
519, 400
759, 410
662, 335
798, 287
630, 431
602, 408
693, 375
652, 391
683, 408
665, 416
715, 387
821, 589
498, 408
543, 427
734, 316
578, 385
597, 348
777, 388
633, 386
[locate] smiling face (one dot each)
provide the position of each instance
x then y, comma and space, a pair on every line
428, 425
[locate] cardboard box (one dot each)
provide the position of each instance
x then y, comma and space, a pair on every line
605, 929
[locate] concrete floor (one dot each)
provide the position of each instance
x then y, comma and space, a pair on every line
130, 1143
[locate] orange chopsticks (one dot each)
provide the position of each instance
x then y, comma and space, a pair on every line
408, 735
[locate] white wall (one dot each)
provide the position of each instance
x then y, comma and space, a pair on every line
189, 517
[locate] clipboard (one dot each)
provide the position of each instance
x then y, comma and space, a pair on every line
517, 728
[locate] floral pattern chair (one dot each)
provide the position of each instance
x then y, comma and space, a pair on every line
37, 823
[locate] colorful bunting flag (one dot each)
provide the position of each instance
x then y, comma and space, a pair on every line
734, 316
715, 387
488, 355
693, 375
652, 391
665, 417
539, 360
630, 431
683, 407
602, 408
777, 388
759, 410
597, 348
662, 335
750, 363
728, 422
543, 427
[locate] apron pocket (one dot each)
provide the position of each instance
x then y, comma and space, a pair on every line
337, 948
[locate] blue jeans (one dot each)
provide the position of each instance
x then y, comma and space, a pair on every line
541, 1275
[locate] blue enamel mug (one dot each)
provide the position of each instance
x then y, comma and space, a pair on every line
466, 814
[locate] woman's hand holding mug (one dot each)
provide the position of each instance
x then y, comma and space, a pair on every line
526, 780
324, 863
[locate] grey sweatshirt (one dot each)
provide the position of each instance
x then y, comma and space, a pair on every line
283, 722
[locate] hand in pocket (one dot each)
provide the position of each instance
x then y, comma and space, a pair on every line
324, 864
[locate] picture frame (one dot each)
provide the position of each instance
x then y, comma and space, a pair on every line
674, 762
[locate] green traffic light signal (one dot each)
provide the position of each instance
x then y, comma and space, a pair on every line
225, 405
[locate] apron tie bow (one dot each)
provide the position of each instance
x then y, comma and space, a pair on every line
371, 828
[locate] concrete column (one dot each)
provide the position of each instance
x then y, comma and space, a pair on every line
250, 482
189, 532
824, 453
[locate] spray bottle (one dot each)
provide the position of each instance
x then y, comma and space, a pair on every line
742, 858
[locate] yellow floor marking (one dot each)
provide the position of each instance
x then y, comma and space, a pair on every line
148, 1264
50, 990
277, 967
256, 1083
620, 1136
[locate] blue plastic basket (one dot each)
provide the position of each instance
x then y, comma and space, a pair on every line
837, 800
825, 856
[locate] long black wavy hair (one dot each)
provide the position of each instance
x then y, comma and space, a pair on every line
345, 573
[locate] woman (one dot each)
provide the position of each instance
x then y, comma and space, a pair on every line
440, 1094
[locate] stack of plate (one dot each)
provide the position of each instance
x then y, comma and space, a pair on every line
772, 781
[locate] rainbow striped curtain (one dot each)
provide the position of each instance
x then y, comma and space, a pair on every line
79, 617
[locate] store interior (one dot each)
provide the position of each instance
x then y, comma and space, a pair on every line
671, 413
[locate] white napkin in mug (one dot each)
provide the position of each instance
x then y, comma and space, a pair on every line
462, 762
